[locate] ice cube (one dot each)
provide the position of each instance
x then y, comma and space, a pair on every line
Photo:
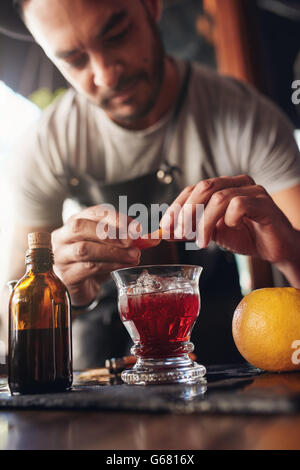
148, 283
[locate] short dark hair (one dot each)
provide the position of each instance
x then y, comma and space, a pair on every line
18, 4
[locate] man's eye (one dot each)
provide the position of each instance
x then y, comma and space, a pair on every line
78, 62
118, 37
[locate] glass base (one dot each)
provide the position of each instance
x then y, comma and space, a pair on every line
181, 370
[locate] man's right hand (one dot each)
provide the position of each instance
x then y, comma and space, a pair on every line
83, 261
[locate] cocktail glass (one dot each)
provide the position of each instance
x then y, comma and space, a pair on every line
159, 306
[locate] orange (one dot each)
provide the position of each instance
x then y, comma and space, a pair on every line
266, 328
149, 241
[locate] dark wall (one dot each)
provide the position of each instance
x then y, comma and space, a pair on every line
178, 27
280, 51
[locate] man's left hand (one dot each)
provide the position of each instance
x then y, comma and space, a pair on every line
238, 215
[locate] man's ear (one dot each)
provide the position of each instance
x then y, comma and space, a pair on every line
154, 7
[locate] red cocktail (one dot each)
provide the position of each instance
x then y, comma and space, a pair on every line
159, 306
160, 323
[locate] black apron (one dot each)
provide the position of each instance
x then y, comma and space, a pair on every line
99, 334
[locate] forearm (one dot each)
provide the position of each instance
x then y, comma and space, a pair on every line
291, 266
291, 271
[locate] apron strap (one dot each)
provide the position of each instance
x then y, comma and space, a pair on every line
177, 110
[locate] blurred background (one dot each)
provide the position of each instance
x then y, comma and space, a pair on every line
257, 41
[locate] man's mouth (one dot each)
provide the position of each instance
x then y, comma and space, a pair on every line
126, 91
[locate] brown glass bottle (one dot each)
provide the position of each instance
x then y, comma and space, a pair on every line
40, 348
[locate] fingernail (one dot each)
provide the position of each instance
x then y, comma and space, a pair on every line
166, 221
178, 232
180, 219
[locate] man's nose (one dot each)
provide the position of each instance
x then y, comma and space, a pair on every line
105, 74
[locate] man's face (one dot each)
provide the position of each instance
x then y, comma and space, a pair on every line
109, 50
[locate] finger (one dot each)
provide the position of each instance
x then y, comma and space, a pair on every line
223, 237
169, 219
199, 194
241, 212
76, 229
218, 206
187, 221
107, 214
260, 210
149, 241
114, 225
99, 211
85, 251
80, 229
204, 190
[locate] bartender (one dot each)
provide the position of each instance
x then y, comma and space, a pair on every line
139, 123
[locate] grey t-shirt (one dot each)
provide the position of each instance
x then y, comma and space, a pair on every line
225, 128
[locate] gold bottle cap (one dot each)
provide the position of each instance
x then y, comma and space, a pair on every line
39, 240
